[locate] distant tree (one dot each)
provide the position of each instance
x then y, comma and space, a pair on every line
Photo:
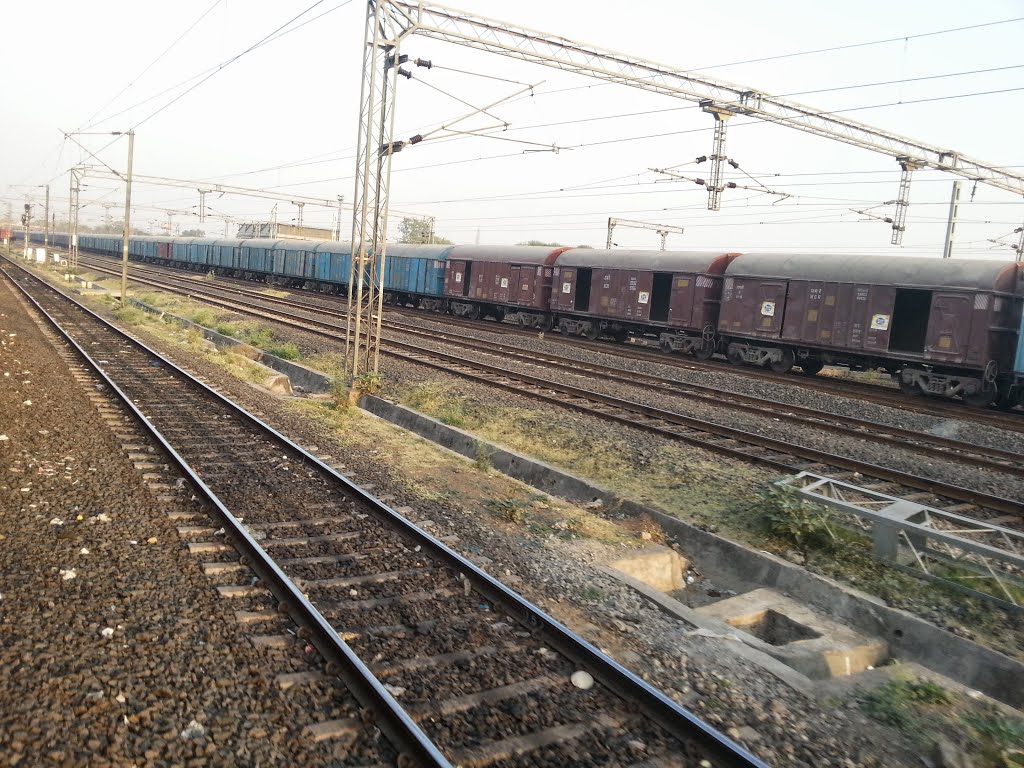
541, 242
194, 233
420, 231
585, 246
114, 228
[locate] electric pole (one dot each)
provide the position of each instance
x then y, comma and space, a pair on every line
46, 221
26, 221
954, 209
127, 219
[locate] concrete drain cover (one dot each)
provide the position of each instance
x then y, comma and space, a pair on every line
812, 644
774, 628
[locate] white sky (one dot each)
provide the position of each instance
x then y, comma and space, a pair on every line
296, 99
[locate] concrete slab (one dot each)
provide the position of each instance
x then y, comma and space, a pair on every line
656, 566
801, 638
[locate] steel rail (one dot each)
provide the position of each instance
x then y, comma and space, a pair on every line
995, 459
392, 719
677, 720
879, 394
659, 417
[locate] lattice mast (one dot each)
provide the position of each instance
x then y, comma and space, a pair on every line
386, 27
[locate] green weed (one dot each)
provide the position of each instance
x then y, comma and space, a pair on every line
903, 704
798, 521
286, 350
131, 315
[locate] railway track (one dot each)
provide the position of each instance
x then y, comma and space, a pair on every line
312, 318
451, 665
874, 393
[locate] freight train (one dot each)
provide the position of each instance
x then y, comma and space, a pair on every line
951, 328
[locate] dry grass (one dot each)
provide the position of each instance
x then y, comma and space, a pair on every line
677, 478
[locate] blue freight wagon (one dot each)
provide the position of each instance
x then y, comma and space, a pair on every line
415, 272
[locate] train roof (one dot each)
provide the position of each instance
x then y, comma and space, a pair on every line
713, 262
507, 254
901, 271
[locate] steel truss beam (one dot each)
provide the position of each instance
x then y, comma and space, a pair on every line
662, 229
921, 539
719, 97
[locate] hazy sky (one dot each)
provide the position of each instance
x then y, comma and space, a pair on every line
291, 106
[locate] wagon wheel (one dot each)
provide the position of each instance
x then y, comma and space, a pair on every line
620, 335
666, 346
735, 356
704, 351
810, 367
546, 323
474, 312
981, 399
593, 331
785, 364
499, 315
909, 388
1003, 400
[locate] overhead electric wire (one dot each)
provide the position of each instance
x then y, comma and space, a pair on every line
231, 61
645, 113
151, 64
206, 74
849, 46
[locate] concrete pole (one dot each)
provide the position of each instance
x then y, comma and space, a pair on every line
46, 221
28, 225
954, 210
127, 220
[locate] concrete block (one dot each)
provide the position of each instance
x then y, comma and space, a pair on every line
278, 383
656, 566
801, 638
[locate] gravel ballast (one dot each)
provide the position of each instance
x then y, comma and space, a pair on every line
114, 648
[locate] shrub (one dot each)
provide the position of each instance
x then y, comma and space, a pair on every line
798, 521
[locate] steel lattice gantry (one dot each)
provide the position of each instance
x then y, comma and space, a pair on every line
389, 22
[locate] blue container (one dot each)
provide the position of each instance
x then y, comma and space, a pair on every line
1019, 365
416, 269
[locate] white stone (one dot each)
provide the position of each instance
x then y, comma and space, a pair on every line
582, 680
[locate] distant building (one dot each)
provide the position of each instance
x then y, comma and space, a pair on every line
283, 231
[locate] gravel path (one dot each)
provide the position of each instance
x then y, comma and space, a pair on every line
114, 648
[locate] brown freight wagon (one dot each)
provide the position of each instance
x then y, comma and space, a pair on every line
674, 294
942, 326
497, 280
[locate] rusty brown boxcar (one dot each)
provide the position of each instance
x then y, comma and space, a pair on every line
674, 294
942, 326
500, 279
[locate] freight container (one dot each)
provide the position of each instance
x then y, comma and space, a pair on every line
493, 280
947, 326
